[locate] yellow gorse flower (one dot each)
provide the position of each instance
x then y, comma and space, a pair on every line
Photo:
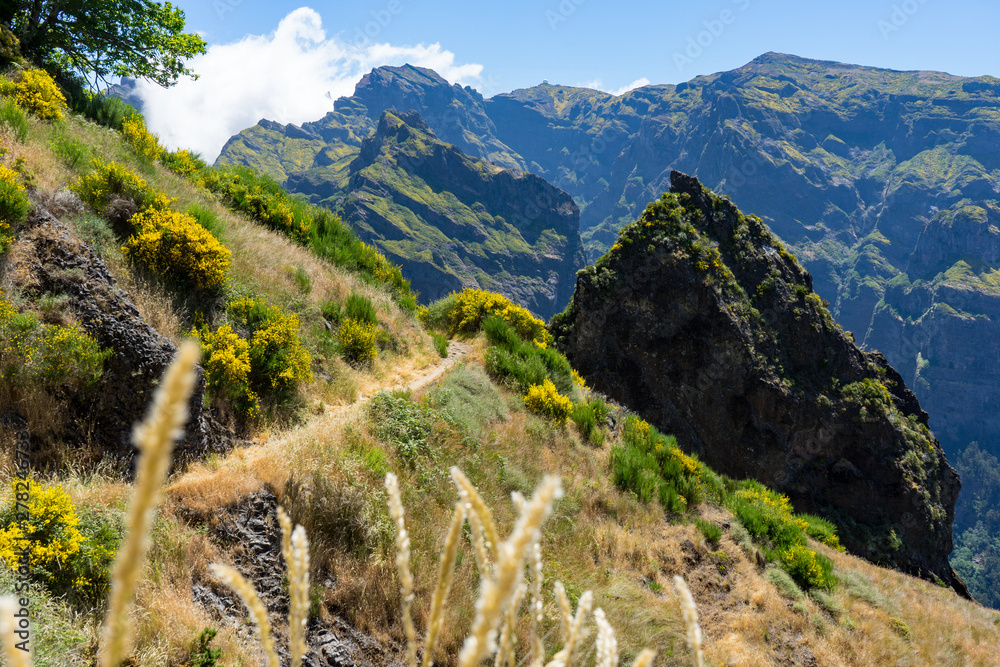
174, 245
545, 399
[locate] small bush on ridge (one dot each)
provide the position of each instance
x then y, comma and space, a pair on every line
143, 142
14, 118
545, 400
226, 360
14, 206
278, 362
358, 340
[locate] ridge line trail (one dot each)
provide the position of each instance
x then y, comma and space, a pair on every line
265, 460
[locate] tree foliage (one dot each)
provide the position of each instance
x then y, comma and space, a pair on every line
104, 38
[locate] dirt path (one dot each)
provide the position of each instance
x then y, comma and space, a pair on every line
456, 352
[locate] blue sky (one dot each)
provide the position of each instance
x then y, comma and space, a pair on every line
499, 46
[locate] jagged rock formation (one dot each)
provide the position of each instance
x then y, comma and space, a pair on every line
701, 321
52, 260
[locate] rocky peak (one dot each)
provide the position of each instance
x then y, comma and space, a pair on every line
701, 321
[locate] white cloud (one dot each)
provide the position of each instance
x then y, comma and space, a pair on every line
638, 83
597, 84
289, 76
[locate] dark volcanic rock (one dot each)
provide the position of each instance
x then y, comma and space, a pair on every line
700, 321
59, 263
249, 530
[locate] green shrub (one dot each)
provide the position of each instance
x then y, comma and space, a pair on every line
358, 341
808, 568
207, 218
440, 344
398, 421
670, 500
821, 530
514, 370
335, 241
69, 150
107, 110
437, 316
784, 583
545, 400
260, 198
278, 362
14, 119
523, 364
590, 418
174, 246
767, 515
332, 311
14, 206
711, 530
46, 355
202, 655
183, 163
359, 307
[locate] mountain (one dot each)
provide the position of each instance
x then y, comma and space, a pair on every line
452, 221
700, 320
434, 191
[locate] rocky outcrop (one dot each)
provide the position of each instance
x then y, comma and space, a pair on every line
700, 320
54, 261
249, 531
453, 221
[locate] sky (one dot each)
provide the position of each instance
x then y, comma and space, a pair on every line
287, 61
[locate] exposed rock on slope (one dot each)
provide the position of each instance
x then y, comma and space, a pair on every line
53, 261
701, 321
453, 221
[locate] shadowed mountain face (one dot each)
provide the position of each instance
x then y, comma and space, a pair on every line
702, 322
884, 184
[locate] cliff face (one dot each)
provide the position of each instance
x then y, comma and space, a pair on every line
701, 321
453, 221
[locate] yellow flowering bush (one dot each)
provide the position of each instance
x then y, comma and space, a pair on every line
226, 360
52, 356
68, 561
143, 142
176, 247
545, 399
278, 362
183, 162
14, 205
358, 340
808, 568
35, 91
472, 306
108, 180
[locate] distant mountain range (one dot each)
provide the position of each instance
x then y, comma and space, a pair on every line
885, 184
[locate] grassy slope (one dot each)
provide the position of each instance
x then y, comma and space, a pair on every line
599, 538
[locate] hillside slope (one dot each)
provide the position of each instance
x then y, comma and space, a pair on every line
323, 453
